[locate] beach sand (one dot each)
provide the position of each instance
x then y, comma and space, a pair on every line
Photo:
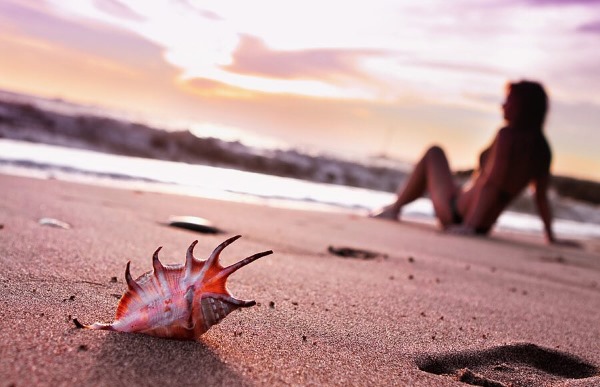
429, 310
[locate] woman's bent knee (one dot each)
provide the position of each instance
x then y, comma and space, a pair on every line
435, 151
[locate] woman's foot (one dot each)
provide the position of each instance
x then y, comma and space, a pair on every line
387, 212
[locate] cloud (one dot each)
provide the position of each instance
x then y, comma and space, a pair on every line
117, 9
593, 27
210, 15
253, 57
564, 2
91, 39
210, 88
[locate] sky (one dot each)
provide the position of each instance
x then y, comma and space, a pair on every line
352, 78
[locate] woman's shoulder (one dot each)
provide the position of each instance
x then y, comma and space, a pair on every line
506, 135
509, 131
516, 134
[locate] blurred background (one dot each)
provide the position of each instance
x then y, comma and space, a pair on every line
321, 103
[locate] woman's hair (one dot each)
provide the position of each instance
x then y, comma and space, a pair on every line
533, 103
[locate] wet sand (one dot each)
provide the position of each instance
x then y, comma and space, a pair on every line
427, 309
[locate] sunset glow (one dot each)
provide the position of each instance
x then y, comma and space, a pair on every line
333, 76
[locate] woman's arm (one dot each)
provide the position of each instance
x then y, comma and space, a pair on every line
541, 200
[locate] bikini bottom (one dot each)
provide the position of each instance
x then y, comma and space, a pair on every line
457, 218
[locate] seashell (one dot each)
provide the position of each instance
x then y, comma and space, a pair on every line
178, 301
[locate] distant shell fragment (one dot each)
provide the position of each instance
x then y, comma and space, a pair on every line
54, 223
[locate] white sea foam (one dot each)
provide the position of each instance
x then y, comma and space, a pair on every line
43, 161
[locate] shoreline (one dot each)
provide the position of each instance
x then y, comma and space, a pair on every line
430, 302
572, 219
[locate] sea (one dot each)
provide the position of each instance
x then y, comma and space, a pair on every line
44, 161
69, 162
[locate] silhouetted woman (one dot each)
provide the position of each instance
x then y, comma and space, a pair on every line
518, 156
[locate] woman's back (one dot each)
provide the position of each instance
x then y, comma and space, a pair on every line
516, 158
528, 157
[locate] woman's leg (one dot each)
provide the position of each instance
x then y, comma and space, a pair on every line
432, 173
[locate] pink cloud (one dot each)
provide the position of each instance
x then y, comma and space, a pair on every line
204, 83
593, 27
564, 2
118, 9
253, 57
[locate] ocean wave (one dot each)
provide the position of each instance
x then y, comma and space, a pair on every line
57, 122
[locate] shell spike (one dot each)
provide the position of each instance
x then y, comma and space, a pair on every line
214, 257
226, 272
231, 300
131, 284
94, 326
189, 259
158, 267
236, 266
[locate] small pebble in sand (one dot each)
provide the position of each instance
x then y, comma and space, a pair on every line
272, 305
304, 338
113, 279
117, 296
410, 276
391, 277
411, 259
350, 252
502, 367
1, 226
82, 347
465, 375
295, 303
423, 314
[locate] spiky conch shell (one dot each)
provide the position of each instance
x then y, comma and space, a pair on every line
178, 301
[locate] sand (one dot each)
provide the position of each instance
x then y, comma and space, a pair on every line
428, 309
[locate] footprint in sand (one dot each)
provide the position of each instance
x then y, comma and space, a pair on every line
516, 365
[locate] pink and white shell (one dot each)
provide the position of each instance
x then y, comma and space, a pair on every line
178, 301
